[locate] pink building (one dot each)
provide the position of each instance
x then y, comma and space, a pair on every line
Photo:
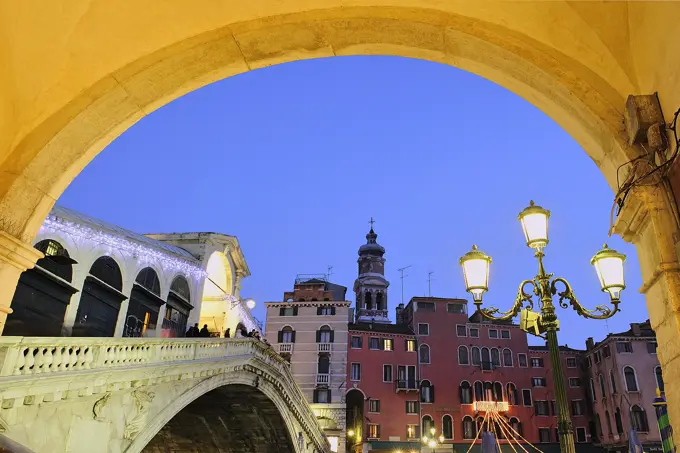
623, 375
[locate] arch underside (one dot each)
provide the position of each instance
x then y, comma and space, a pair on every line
229, 419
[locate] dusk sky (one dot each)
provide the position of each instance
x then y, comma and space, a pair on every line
295, 159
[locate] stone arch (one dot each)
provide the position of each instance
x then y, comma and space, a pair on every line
243, 382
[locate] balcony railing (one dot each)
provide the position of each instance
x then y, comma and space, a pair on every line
286, 347
324, 347
408, 385
323, 378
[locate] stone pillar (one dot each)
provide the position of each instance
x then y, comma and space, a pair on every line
15, 258
79, 276
238, 284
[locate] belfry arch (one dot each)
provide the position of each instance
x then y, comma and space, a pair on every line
70, 85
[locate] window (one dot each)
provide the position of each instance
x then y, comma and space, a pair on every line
553, 409
658, 375
424, 354
388, 344
476, 356
474, 332
493, 333
651, 347
426, 392
287, 335
536, 362
479, 391
324, 335
410, 345
461, 331
325, 311
538, 382
580, 434
373, 431
511, 390
427, 424
619, 423
638, 419
495, 357
447, 427
465, 393
356, 342
288, 311
522, 360
624, 346
571, 362
322, 396
374, 406
507, 357
630, 378
324, 364
423, 329
374, 343
468, 428
576, 408
426, 306
387, 373
612, 382
497, 393
574, 382
456, 308
516, 426
526, 397
544, 435
598, 357
600, 379
607, 352
355, 373
463, 358
505, 334
593, 397
412, 432
609, 423
412, 407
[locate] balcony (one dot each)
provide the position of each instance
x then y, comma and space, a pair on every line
285, 348
408, 385
324, 347
323, 378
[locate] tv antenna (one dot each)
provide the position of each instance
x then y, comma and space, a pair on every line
429, 283
402, 280
329, 273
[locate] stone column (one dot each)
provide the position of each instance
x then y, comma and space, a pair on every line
79, 276
15, 258
238, 284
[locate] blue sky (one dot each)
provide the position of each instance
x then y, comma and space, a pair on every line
295, 159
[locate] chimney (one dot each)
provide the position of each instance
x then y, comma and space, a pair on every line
400, 314
590, 343
635, 328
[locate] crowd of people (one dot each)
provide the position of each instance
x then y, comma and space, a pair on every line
241, 332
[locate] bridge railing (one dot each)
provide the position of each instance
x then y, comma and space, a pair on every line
38, 355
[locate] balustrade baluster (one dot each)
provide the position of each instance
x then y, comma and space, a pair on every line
30, 361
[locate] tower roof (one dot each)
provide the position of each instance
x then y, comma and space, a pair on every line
371, 247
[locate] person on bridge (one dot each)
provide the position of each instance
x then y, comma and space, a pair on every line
204, 331
227, 333
193, 331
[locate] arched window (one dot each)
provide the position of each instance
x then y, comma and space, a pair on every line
145, 304
428, 425
465, 393
482, 425
148, 278
324, 366
630, 378
593, 397
368, 301
468, 428
486, 356
507, 357
512, 394
495, 357
476, 356
612, 382
379, 301
287, 335
107, 270
609, 423
424, 354
479, 391
658, 374
180, 286
324, 335
447, 427
516, 426
618, 421
463, 358
177, 309
603, 388
57, 260
638, 419
426, 392
488, 391
598, 427
497, 391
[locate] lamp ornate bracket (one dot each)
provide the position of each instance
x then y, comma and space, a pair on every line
599, 312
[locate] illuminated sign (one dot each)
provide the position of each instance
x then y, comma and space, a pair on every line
491, 406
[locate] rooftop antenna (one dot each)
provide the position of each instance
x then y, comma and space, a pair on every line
402, 281
429, 283
329, 273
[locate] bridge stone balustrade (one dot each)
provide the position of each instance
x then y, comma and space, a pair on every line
152, 395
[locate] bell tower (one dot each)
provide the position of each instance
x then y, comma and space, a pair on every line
370, 286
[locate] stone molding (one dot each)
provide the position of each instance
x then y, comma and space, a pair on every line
18, 254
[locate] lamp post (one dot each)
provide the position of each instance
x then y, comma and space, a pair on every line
433, 441
609, 267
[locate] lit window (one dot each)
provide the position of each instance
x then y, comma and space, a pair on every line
373, 431
374, 406
411, 345
388, 344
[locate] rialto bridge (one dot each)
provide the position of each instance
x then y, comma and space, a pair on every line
115, 395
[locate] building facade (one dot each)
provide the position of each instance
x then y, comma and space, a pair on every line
309, 328
623, 375
99, 280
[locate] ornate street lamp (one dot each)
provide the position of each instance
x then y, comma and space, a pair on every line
433, 441
609, 267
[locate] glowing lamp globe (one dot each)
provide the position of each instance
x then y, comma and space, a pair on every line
432, 444
608, 264
250, 303
534, 221
441, 439
475, 266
